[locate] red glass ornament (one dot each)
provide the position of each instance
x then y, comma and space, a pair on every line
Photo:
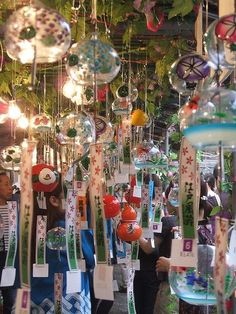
111, 206
225, 29
129, 231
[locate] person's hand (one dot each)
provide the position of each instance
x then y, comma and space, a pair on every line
163, 264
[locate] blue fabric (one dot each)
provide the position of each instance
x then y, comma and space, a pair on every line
42, 289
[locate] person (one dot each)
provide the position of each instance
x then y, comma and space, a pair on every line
42, 289
145, 280
8, 293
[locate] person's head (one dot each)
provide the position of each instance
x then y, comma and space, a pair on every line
5, 188
210, 180
171, 204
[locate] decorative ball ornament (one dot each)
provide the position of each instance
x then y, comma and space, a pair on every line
10, 158
104, 130
128, 214
124, 90
213, 122
197, 286
129, 231
56, 239
139, 118
221, 53
76, 129
225, 28
111, 206
37, 32
44, 178
91, 60
187, 72
121, 106
192, 68
41, 123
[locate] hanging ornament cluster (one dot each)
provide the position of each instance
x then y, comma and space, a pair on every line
128, 229
35, 33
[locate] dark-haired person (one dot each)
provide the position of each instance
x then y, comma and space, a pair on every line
42, 289
8, 293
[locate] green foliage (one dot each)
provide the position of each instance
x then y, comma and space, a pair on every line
181, 7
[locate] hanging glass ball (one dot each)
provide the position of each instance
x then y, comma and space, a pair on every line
92, 60
213, 122
139, 118
76, 129
41, 123
56, 239
34, 31
104, 130
145, 154
123, 92
221, 53
121, 107
177, 81
192, 68
197, 286
226, 28
11, 158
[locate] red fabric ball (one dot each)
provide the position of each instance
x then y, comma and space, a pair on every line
44, 178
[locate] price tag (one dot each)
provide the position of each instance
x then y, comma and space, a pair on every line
103, 282
8, 277
40, 270
181, 255
137, 191
73, 281
156, 227
82, 265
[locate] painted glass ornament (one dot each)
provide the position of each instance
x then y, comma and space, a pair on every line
121, 106
56, 239
196, 286
226, 28
129, 231
123, 92
214, 120
76, 129
92, 60
37, 32
192, 68
104, 130
185, 77
221, 53
145, 154
10, 158
41, 123
44, 178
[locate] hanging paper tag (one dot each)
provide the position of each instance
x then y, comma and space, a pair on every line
103, 282
73, 281
82, 210
221, 240
184, 253
96, 198
156, 227
126, 140
137, 191
157, 213
26, 210
9, 272
188, 190
41, 200
150, 190
232, 249
130, 293
82, 265
58, 283
127, 168
134, 250
70, 230
40, 268
145, 206
81, 188
121, 177
23, 301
